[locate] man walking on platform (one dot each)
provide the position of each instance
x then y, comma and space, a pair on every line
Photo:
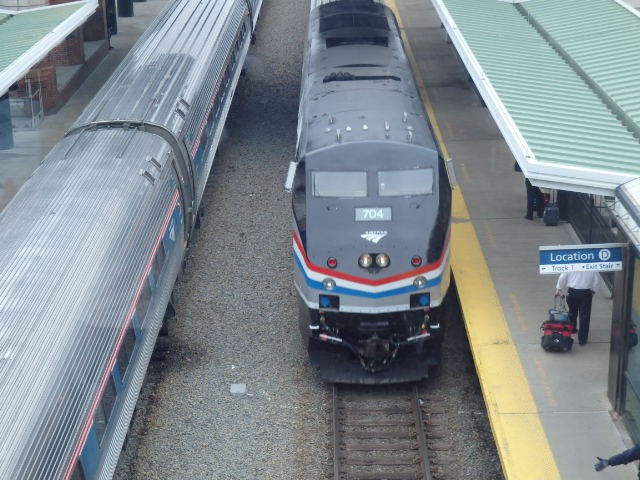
580, 287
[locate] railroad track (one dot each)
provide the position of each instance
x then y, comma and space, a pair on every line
378, 433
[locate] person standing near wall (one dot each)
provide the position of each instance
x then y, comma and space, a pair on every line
535, 200
535, 197
580, 288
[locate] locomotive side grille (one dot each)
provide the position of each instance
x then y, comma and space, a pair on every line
352, 15
353, 20
346, 76
340, 41
351, 8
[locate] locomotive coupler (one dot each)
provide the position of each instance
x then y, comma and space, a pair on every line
374, 348
376, 353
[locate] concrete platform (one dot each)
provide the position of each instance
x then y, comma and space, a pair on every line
549, 412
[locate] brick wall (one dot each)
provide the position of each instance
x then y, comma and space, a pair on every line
51, 98
69, 52
95, 28
21, 90
49, 87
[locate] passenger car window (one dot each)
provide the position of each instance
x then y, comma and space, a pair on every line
143, 301
126, 350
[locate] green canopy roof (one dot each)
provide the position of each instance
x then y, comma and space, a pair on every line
561, 80
27, 36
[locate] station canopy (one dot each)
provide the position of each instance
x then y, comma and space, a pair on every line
626, 209
27, 36
561, 80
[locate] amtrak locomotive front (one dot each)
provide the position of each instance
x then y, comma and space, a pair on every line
371, 203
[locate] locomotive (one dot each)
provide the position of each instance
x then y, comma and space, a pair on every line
92, 244
371, 202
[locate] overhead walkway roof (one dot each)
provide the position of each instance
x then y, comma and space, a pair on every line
561, 81
27, 36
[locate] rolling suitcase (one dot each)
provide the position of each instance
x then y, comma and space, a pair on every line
551, 214
557, 329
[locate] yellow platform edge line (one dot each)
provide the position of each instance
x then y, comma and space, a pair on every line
521, 441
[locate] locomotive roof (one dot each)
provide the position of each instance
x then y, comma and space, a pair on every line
358, 85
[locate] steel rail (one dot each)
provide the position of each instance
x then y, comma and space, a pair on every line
378, 433
422, 437
335, 421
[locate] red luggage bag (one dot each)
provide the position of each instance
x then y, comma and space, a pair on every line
557, 330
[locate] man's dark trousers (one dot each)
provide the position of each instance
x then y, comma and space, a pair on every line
535, 200
579, 302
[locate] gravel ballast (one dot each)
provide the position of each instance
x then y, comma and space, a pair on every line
232, 396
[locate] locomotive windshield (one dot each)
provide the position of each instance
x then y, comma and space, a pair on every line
399, 183
391, 183
339, 184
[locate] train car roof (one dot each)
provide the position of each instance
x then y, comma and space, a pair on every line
78, 240
359, 91
59, 265
167, 64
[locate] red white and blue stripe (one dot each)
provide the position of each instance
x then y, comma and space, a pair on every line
372, 289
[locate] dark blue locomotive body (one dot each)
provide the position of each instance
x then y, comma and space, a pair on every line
371, 203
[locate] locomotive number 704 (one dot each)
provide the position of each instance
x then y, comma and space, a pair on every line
373, 214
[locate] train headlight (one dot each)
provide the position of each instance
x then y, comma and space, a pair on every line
332, 262
382, 260
365, 260
416, 260
419, 282
328, 283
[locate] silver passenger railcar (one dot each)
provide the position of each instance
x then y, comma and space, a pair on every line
371, 202
91, 246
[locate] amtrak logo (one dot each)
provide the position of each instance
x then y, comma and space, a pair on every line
374, 236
